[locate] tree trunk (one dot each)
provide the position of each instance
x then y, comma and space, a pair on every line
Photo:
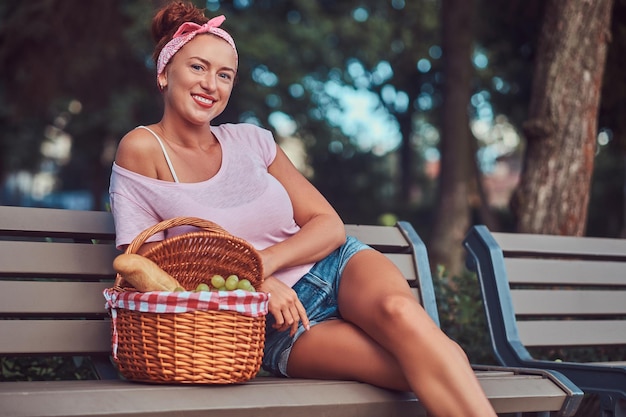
452, 216
553, 194
485, 213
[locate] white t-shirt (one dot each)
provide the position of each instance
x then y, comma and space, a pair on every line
243, 197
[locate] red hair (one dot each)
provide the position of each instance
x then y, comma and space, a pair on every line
169, 18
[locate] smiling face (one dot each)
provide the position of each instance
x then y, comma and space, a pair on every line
199, 79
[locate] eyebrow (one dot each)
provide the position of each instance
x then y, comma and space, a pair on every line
208, 64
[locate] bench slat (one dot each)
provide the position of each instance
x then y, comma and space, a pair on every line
570, 272
30, 221
572, 332
381, 237
257, 398
512, 394
54, 259
568, 302
84, 259
566, 246
55, 336
405, 263
36, 297
261, 397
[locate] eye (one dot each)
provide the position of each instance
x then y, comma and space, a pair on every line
197, 67
225, 75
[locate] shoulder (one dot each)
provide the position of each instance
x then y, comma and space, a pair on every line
139, 137
137, 152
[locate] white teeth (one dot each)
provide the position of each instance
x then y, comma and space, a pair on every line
204, 100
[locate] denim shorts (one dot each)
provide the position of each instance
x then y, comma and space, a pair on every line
317, 290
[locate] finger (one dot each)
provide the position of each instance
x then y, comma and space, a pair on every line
290, 319
295, 323
298, 312
303, 316
280, 325
279, 320
285, 321
294, 329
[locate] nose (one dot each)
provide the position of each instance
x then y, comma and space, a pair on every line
209, 82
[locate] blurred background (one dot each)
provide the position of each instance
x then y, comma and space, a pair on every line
354, 90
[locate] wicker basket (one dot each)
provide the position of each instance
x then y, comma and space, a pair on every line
200, 347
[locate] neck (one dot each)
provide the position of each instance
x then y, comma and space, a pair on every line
186, 135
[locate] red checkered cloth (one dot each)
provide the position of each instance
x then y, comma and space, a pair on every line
253, 304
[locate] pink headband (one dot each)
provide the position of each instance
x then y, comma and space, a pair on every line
186, 32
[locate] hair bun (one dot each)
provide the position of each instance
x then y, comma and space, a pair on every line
167, 20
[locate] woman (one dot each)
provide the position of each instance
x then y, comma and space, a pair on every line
336, 304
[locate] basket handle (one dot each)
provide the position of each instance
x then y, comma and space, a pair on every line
207, 225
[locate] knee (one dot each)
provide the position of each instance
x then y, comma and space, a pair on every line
402, 311
399, 309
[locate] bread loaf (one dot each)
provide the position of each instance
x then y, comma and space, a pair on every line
143, 274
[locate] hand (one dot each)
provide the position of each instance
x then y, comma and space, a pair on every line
285, 306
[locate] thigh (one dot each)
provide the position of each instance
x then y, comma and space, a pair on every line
369, 276
375, 296
337, 349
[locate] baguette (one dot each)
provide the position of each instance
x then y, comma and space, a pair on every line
143, 274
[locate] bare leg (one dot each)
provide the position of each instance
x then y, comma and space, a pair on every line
329, 350
393, 333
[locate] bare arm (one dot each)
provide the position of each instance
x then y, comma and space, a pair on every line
322, 230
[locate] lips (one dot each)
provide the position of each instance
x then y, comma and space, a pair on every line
203, 100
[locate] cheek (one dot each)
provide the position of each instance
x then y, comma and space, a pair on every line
179, 78
226, 89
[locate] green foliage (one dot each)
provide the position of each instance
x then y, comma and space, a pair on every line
45, 368
613, 105
507, 32
580, 354
606, 214
462, 316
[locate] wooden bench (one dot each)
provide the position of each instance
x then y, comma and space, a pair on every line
54, 265
543, 291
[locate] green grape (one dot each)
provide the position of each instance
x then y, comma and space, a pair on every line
231, 282
179, 289
203, 287
245, 285
218, 281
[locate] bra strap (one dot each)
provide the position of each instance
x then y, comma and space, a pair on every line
167, 157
